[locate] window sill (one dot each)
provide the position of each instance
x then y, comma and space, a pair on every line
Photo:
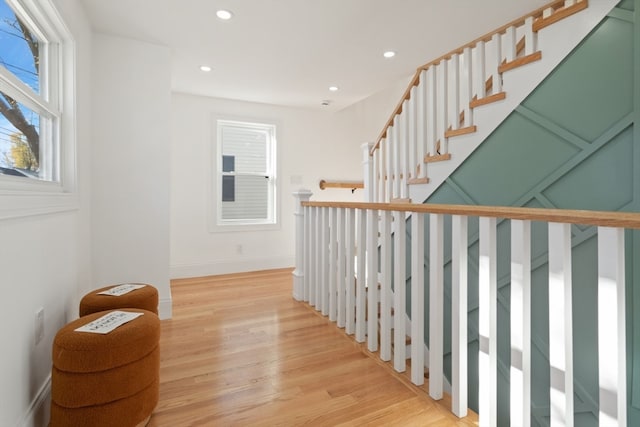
224, 228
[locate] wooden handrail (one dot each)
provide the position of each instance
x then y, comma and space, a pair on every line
568, 216
352, 185
555, 4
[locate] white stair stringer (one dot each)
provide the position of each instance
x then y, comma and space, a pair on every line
555, 42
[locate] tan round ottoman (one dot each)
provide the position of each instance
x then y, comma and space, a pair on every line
145, 298
106, 379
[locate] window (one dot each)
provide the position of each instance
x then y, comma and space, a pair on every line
31, 98
246, 165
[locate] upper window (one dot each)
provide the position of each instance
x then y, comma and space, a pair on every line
30, 86
246, 165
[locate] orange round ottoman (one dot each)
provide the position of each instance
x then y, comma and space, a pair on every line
104, 380
145, 298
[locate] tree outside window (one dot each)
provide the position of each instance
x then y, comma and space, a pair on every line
24, 108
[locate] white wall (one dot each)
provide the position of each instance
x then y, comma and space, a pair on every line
44, 263
364, 120
307, 151
130, 164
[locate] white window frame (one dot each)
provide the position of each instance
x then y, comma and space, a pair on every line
21, 197
217, 224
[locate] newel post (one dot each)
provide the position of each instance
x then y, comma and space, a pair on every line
301, 195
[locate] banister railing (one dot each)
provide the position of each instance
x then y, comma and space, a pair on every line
349, 274
440, 99
351, 185
544, 12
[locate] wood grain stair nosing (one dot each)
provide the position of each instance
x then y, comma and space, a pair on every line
488, 99
541, 23
415, 181
461, 131
519, 62
437, 158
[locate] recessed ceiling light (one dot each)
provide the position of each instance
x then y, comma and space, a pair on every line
205, 68
225, 15
333, 88
389, 54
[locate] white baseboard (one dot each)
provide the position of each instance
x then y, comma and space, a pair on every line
39, 409
165, 308
181, 271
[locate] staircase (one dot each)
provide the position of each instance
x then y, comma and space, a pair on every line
450, 107
455, 102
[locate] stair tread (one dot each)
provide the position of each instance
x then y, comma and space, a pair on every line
560, 14
437, 158
461, 131
519, 62
414, 181
401, 200
488, 99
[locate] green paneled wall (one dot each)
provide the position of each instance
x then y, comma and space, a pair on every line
573, 143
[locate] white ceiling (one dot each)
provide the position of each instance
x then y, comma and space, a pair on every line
288, 52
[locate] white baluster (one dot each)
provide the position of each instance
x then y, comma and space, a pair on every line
467, 86
341, 255
307, 253
389, 141
361, 280
333, 258
530, 38
298, 274
459, 250
454, 94
396, 156
319, 252
376, 178
479, 71
401, 126
510, 44
436, 306
443, 105
520, 374
417, 298
381, 168
405, 166
349, 272
432, 110
569, 3
412, 145
392, 142
612, 362
496, 41
547, 12
560, 325
325, 261
421, 123
369, 172
385, 286
384, 151
399, 292
487, 324
313, 262
372, 280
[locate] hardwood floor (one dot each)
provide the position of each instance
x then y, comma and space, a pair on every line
240, 351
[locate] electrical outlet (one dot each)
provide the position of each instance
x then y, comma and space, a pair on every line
39, 332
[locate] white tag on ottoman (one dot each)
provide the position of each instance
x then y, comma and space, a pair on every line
109, 322
122, 289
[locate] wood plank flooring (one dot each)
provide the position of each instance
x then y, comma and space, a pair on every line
240, 351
